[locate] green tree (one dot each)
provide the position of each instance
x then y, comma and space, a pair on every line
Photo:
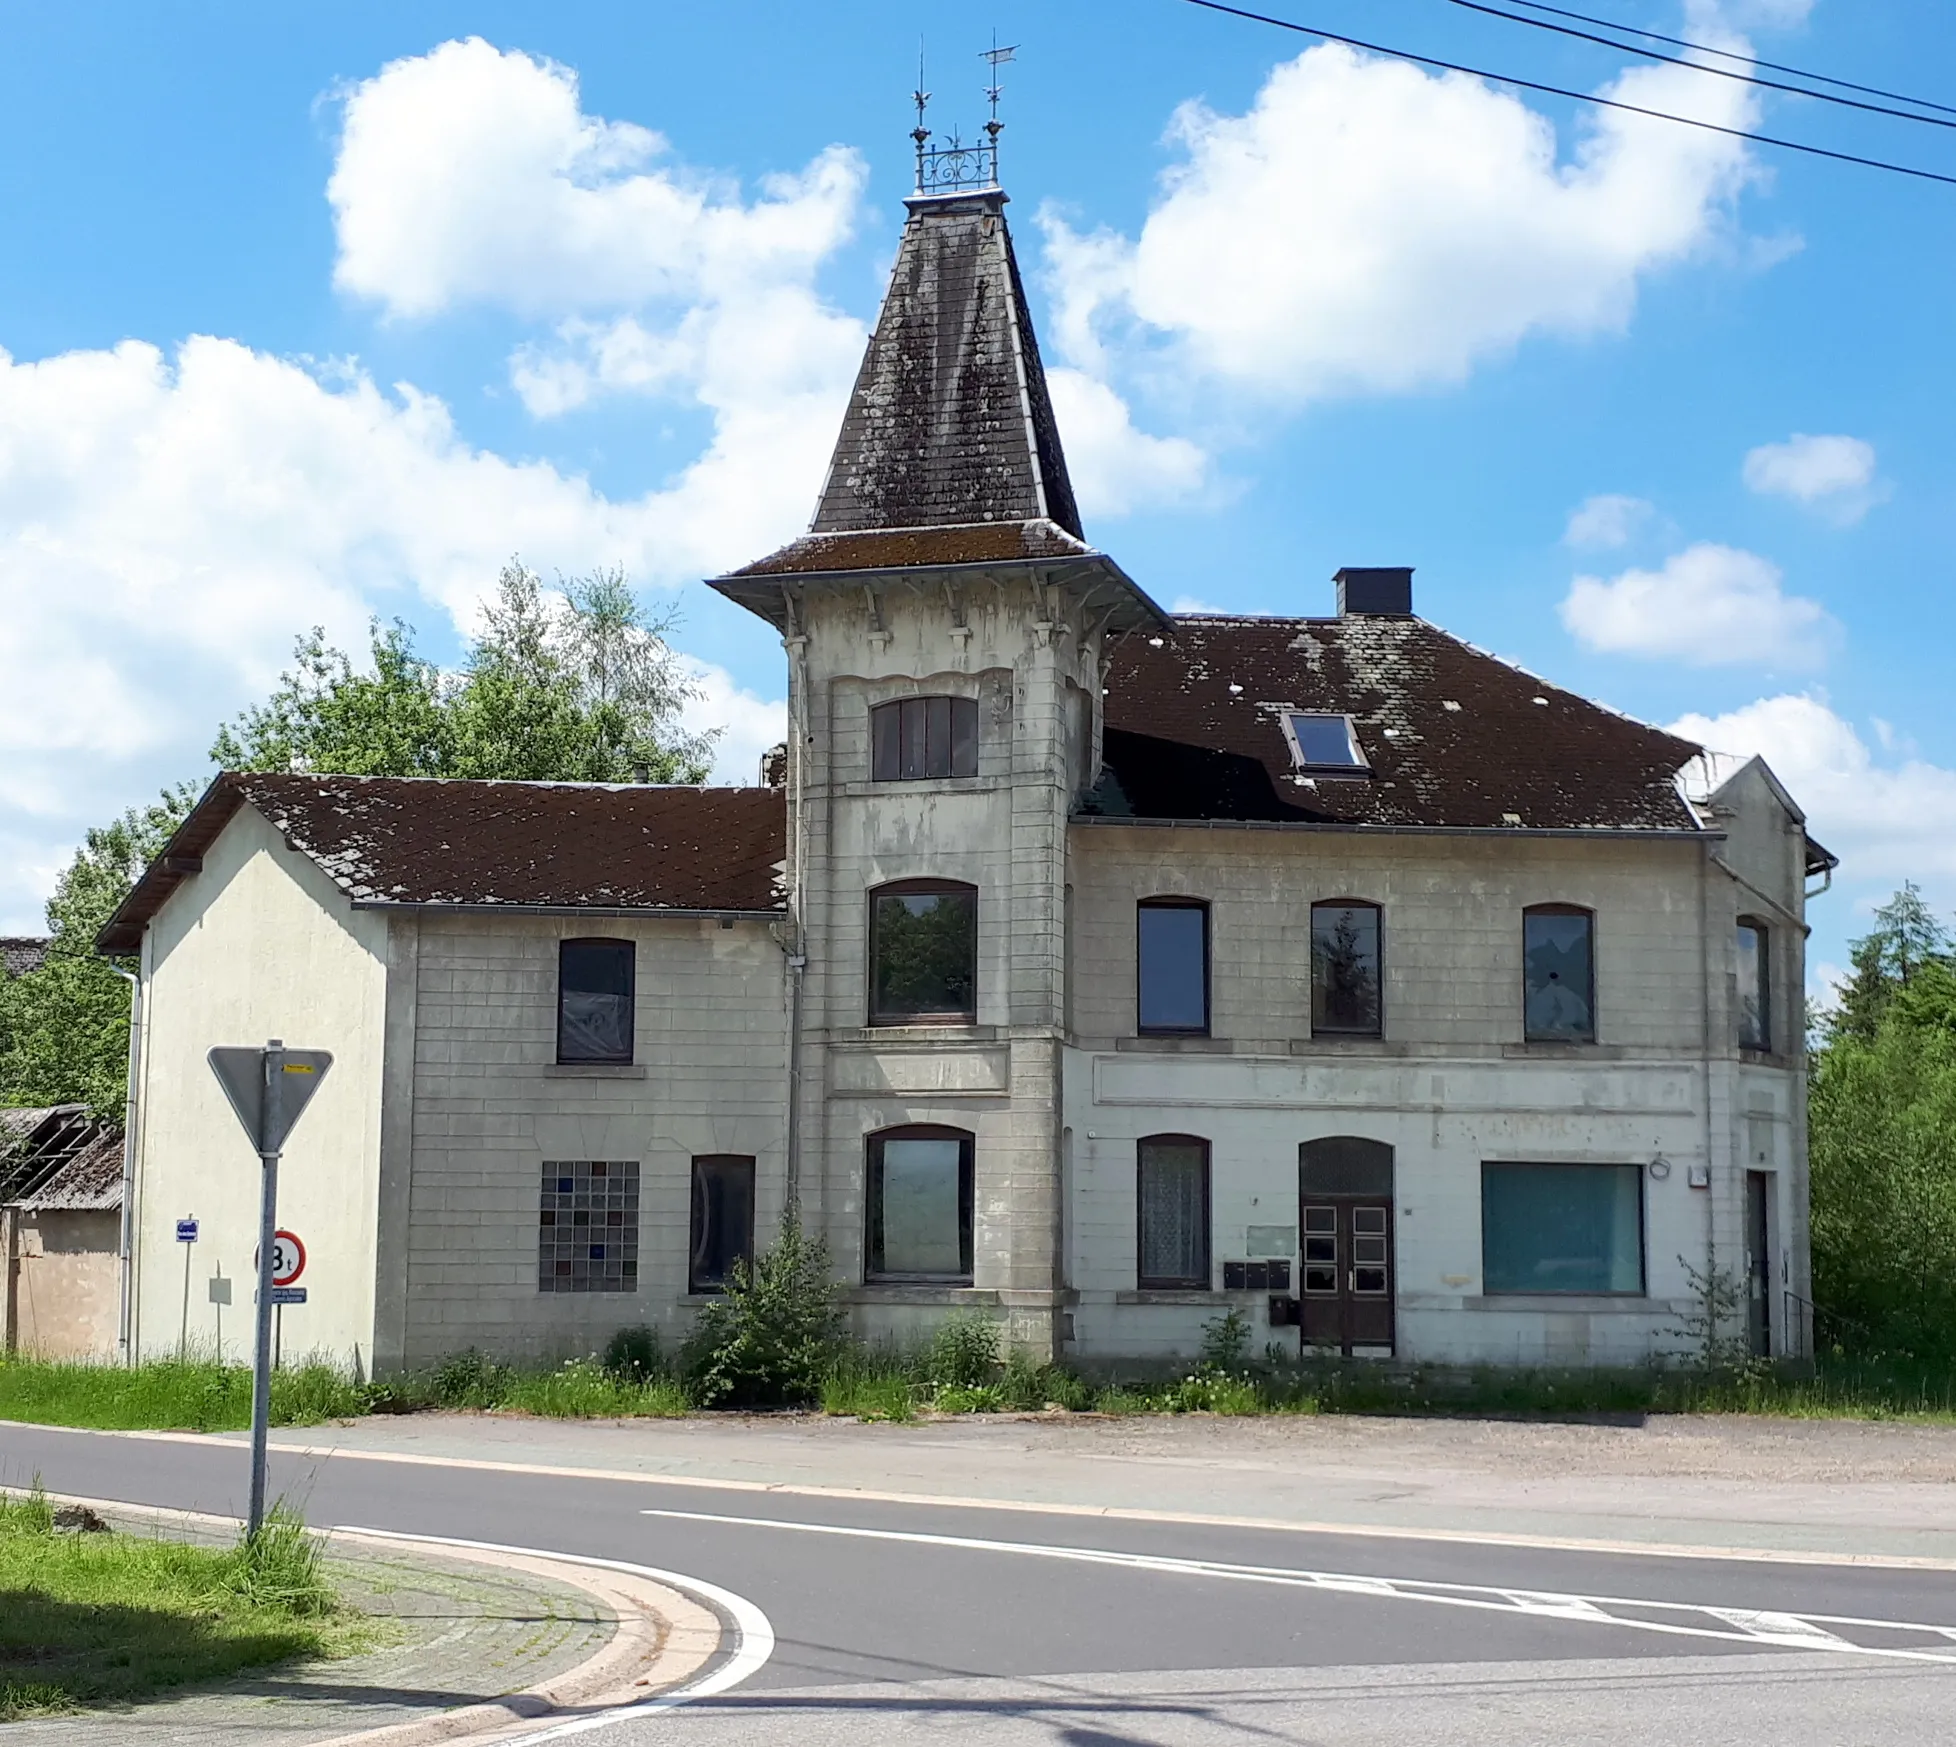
64, 1028
1882, 1123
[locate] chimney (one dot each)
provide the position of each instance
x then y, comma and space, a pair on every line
1384, 592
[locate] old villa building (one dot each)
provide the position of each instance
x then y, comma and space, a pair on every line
1096, 967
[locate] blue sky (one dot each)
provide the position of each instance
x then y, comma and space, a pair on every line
317, 315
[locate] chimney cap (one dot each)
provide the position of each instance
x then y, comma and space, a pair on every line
1375, 591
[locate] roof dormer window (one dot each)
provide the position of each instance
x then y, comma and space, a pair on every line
1324, 745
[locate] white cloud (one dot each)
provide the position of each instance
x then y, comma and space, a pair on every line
472, 174
1114, 467
749, 723
1833, 474
1369, 227
1889, 820
1188, 603
168, 525
1607, 521
1709, 605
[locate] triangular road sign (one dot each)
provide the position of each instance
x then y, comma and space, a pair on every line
293, 1074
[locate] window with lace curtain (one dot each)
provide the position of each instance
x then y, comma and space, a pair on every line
1173, 1206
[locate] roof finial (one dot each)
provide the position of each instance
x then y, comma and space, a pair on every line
920, 133
955, 167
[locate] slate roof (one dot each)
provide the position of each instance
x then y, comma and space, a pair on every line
950, 421
20, 954
1454, 737
425, 840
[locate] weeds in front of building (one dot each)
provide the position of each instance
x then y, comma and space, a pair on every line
97, 1615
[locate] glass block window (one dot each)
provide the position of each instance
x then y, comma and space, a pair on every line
1173, 1196
587, 1226
1562, 1228
1559, 974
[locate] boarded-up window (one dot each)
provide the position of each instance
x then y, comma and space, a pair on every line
920, 1181
1172, 1194
587, 1228
914, 738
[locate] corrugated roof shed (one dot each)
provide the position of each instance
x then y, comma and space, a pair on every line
424, 840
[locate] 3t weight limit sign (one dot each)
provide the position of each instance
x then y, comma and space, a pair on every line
288, 1258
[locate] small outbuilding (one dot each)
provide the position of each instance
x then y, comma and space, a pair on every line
61, 1229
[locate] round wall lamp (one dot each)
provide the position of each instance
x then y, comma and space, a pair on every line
1660, 1167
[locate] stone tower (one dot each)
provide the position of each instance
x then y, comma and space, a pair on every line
945, 623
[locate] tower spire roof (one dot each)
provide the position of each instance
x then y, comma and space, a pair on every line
950, 421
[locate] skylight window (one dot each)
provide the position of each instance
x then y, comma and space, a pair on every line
1324, 743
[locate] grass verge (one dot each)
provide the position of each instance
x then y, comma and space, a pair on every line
94, 1618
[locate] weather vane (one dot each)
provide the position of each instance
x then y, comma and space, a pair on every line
954, 167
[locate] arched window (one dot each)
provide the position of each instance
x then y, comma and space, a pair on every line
595, 998
1755, 984
1347, 969
913, 738
1172, 1213
923, 953
1558, 949
919, 1198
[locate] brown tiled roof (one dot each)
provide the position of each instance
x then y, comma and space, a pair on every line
950, 421
906, 548
1454, 736
20, 954
424, 840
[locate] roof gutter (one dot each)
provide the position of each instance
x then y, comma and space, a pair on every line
1574, 833
637, 910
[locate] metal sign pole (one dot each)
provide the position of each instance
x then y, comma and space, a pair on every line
261, 1381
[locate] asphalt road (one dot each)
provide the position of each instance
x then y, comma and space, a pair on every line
1009, 1627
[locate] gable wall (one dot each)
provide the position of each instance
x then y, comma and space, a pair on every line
260, 944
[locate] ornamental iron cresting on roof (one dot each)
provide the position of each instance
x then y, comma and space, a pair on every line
957, 167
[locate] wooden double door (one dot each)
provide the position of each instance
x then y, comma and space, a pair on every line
1347, 1284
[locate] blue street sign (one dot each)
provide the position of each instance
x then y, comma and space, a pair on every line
288, 1295
186, 1231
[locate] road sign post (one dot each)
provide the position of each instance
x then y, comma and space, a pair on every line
268, 1088
187, 1236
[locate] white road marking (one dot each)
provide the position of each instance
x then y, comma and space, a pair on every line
1047, 1507
754, 1634
1804, 1631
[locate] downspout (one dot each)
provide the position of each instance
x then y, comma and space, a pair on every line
1711, 1173
796, 943
128, 1240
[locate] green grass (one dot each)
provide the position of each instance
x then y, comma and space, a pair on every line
103, 1618
169, 1395
884, 1384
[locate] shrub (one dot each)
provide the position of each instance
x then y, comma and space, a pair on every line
775, 1335
963, 1351
632, 1355
467, 1379
1225, 1343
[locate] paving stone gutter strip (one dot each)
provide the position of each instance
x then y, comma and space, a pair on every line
661, 1640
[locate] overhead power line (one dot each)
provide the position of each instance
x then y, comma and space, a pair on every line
1764, 139
1730, 55
1630, 48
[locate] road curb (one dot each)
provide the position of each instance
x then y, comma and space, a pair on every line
662, 1639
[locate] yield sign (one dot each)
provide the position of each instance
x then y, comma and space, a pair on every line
269, 1087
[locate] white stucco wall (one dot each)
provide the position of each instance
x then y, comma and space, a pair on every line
260, 944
